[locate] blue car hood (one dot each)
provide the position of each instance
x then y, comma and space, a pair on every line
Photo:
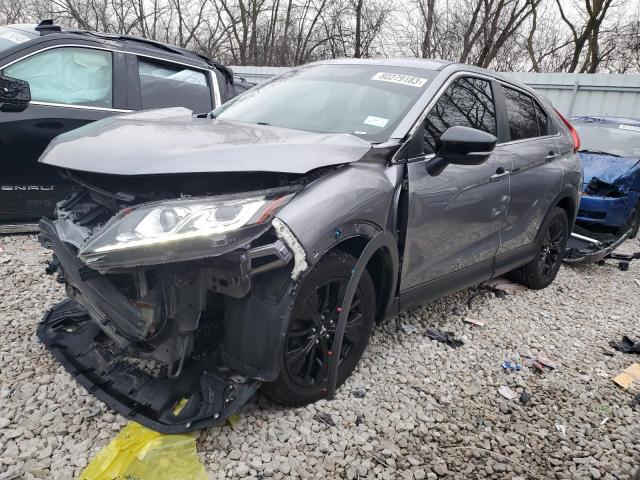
607, 168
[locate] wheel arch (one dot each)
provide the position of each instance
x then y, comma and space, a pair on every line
382, 266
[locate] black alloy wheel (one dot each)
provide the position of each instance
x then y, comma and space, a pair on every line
310, 338
550, 249
307, 346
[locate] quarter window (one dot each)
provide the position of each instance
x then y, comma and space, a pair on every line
68, 76
467, 102
173, 86
523, 118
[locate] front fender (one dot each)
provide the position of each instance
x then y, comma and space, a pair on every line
355, 200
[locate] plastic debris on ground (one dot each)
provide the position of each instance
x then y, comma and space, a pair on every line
409, 328
561, 428
359, 392
324, 418
525, 398
546, 362
510, 366
626, 345
507, 393
474, 321
142, 454
505, 285
444, 337
629, 376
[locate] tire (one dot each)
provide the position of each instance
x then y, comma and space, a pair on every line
303, 361
634, 222
551, 245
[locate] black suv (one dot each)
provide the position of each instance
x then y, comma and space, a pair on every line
75, 77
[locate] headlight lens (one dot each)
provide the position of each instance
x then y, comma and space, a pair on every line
181, 229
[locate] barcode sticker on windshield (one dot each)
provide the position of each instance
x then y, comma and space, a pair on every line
15, 37
400, 78
630, 127
376, 121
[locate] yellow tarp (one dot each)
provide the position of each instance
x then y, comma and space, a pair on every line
138, 453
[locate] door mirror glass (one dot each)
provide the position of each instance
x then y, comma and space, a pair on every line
15, 94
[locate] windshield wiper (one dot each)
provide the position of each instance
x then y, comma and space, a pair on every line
263, 123
598, 152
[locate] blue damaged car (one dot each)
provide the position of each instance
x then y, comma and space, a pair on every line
610, 156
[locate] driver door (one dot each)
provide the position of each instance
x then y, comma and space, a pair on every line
70, 87
455, 217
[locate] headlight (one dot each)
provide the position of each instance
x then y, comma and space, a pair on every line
179, 230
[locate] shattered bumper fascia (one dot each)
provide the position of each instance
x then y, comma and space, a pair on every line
95, 306
607, 211
212, 396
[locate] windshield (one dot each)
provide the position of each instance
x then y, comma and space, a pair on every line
606, 137
365, 100
10, 37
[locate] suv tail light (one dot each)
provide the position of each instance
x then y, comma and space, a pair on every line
574, 132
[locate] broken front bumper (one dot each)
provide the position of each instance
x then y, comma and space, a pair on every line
199, 397
87, 334
606, 211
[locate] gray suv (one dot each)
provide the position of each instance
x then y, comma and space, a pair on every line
206, 257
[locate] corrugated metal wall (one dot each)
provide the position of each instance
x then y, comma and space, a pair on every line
571, 93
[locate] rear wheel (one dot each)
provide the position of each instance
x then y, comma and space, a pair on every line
307, 351
542, 270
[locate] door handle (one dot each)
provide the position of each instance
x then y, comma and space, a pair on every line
550, 157
500, 172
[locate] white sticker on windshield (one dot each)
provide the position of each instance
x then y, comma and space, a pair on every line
15, 37
376, 121
630, 127
400, 78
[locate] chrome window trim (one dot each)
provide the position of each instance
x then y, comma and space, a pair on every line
65, 45
82, 107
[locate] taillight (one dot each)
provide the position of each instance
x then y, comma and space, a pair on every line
574, 132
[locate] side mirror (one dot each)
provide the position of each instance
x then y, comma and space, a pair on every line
15, 94
461, 146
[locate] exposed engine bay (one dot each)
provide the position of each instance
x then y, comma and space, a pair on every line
158, 327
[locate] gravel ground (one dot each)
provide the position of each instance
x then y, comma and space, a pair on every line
428, 410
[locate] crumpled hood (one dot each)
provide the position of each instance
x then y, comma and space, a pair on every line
606, 167
172, 140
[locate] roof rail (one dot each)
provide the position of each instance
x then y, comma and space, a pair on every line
227, 72
47, 26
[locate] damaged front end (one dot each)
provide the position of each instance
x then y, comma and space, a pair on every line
159, 322
611, 192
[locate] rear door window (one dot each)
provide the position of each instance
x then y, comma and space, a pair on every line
68, 76
522, 114
467, 102
170, 85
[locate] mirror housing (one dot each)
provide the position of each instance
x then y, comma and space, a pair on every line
15, 94
461, 146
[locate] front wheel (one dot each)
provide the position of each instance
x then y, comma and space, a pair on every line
542, 270
305, 358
